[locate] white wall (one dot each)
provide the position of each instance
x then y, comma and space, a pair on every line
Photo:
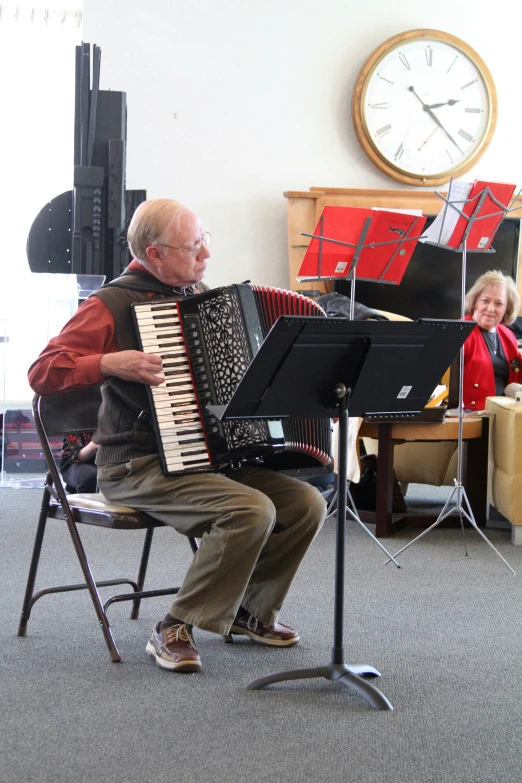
36, 164
232, 102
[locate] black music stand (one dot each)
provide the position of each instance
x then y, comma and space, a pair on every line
349, 361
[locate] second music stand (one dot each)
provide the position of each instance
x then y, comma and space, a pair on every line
462, 506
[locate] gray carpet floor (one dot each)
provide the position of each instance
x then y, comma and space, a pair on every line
444, 631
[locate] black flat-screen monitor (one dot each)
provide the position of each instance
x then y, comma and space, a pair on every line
431, 286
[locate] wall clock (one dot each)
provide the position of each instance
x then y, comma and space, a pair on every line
424, 107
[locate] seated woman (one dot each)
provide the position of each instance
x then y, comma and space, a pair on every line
77, 465
491, 357
493, 302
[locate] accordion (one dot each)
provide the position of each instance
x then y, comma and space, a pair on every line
206, 343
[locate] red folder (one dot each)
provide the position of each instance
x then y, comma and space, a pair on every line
482, 231
384, 262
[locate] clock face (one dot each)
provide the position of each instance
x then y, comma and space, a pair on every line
426, 108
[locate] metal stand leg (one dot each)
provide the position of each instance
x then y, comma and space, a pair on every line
337, 669
331, 506
463, 512
352, 511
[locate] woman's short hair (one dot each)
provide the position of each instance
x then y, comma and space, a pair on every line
149, 223
495, 277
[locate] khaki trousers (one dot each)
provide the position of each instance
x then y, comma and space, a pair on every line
254, 526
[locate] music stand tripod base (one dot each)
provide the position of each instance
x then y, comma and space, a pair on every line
337, 669
349, 675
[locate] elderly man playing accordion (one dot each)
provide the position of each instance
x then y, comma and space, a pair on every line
254, 524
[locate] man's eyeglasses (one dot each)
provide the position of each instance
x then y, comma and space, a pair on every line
193, 251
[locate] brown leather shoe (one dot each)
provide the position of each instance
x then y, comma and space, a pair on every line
274, 635
174, 648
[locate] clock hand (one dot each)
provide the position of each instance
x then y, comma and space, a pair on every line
429, 137
434, 117
412, 89
450, 137
451, 102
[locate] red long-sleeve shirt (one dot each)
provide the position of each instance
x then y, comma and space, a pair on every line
72, 359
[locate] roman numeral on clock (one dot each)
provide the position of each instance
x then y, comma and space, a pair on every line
379, 105
399, 151
452, 64
465, 135
429, 56
404, 61
383, 131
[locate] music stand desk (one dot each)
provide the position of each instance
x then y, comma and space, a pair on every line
475, 468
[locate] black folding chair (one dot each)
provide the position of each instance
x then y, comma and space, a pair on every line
70, 412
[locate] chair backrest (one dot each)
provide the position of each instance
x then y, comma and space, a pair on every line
74, 411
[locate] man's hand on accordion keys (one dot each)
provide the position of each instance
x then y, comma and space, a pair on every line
133, 366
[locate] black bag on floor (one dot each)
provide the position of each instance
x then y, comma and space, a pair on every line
364, 493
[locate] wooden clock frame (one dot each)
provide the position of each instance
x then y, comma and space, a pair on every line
358, 97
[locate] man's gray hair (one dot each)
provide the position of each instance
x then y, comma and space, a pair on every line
150, 222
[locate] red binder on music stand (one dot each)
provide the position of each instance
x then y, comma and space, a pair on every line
384, 254
487, 215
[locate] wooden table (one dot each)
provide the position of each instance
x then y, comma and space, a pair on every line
474, 469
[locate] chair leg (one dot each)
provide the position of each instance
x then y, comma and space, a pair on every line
143, 570
33, 568
93, 590
143, 567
